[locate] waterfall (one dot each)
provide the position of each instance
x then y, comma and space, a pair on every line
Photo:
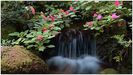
73, 43
76, 53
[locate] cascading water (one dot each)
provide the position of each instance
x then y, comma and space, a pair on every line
73, 43
76, 53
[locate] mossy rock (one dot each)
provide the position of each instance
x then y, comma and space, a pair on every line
19, 60
109, 71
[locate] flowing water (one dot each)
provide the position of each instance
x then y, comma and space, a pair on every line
73, 43
76, 54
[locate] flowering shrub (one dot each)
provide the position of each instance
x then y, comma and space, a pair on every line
95, 15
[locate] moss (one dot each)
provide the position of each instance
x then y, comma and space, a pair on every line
109, 71
19, 60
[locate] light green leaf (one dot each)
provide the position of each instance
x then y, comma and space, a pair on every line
50, 46
39, 33
47, 41
30, 41
51, 37
41, 48
14, 34
29, 36
57, 28
18, 41
73, 15
88, 8
30, 46
58, 22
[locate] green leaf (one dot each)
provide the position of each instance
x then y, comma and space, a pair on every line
73, 15
29, 36
84, 3
118, 58
88, 8
119, 7
51, 37
23, 40
30, 46
30, 41
39, 33
50, 46
18, 41
25, 33
41, 48
47, 41
58, 22
22, 34
33, 39
14, 34
57, 28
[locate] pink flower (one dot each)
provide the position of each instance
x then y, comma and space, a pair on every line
90, 24
44, 29
95, 15
114, 16
40, 37
72, 9
32, 10
43, 16
117, 3
66, 12
52, 18
99, 17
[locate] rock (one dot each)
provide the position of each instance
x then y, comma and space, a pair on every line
109, 71
19, 60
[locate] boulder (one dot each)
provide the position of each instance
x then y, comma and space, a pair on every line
18, 60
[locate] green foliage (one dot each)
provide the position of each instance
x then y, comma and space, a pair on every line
121, 41
118, 58
30, 40
7, 42
11, 12
106, 9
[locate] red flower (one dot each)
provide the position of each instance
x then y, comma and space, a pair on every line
32, 10
90, 24
43, 16
40, 37
66, 12
117, 3
44, 29
52, 18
